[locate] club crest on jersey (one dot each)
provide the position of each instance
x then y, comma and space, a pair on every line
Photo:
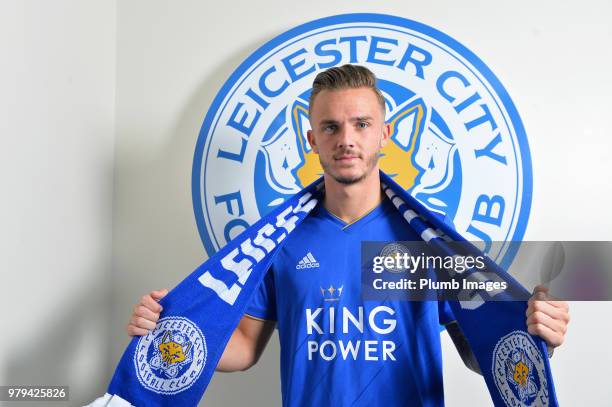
457, 142
171, 357
518, 370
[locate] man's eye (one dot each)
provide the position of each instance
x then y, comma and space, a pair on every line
329, 129
363, 125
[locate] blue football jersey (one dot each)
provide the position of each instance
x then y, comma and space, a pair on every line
337, 350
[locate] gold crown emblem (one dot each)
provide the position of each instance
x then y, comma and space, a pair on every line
332, 293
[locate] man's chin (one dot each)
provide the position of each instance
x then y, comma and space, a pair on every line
348, 174
348, 179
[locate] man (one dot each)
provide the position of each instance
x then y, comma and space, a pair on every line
335, 348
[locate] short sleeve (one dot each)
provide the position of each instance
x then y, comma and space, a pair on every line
445, 313
263, 303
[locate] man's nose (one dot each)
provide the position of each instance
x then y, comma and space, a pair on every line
346, 137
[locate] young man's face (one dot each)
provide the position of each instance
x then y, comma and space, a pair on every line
348, 131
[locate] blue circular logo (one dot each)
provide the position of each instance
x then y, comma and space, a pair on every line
457, 142
171, 357
519, 372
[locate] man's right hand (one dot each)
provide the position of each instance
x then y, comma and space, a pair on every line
146, 313
242, 350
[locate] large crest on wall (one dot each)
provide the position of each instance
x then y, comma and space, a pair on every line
457, 143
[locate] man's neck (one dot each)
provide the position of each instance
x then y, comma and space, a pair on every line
350, 202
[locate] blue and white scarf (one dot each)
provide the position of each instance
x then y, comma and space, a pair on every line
173, 364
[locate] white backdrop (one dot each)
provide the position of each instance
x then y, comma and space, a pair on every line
57, 104
104, 104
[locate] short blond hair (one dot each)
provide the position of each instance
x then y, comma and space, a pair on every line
345, 77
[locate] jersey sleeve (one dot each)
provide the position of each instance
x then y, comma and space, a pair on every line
263, 303
445, 314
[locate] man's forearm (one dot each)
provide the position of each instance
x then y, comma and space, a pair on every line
237, 356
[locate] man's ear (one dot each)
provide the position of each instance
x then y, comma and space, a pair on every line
312, 142
385, 135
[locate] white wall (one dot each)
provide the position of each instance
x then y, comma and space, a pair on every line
171, 59
57, 98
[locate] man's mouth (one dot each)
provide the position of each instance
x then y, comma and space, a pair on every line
346, 158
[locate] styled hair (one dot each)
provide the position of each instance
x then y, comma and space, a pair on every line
345, 77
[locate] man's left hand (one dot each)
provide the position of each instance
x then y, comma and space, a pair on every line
547, 317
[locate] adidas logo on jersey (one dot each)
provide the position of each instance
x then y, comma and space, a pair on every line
307, 262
